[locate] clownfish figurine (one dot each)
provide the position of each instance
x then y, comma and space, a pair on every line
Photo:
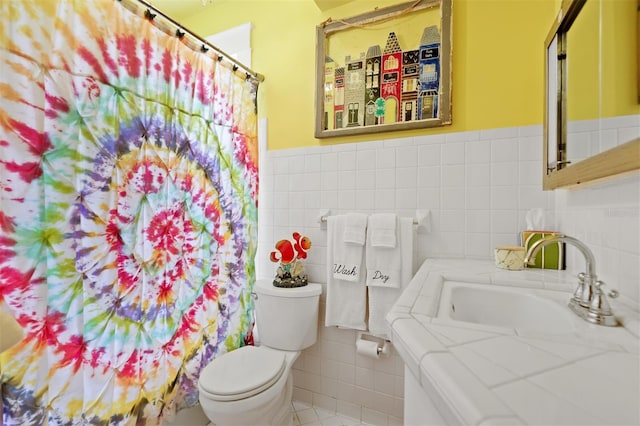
287, 251
302, 245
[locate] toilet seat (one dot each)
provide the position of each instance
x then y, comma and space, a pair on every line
242, 373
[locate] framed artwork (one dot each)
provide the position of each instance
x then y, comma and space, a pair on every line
385, 70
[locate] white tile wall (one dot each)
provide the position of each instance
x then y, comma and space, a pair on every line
478, 185
607, 218
594, 136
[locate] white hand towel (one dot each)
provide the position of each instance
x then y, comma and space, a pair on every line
384, 264
355, 232
381, 299
346, 302
383, 230
347, 264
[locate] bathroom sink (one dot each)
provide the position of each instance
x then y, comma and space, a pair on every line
522, 309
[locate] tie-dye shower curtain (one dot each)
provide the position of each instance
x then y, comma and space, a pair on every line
128, 210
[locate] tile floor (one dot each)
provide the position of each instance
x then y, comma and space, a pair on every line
308, 415
304, 414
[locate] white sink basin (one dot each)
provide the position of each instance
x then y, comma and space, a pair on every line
524, 309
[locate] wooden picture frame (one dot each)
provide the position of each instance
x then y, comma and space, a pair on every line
557, 169
389, 88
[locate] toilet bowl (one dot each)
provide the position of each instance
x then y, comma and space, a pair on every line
252, 385
249, 386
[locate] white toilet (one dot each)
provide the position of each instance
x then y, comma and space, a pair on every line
252, 385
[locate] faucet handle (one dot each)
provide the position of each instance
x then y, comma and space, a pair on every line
613, 293
583, 294
599, 309
599, 301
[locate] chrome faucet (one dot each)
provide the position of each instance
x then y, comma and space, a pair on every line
589, 301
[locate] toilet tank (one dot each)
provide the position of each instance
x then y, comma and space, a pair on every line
287, 318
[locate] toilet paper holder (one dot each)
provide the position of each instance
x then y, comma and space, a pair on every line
382, 346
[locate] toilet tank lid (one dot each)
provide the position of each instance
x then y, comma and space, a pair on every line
267, 287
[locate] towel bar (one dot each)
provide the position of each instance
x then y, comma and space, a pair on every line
421, 219
323, 219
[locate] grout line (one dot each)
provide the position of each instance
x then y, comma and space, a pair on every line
350, 421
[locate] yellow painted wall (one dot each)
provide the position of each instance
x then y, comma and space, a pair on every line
602, 59
498, 60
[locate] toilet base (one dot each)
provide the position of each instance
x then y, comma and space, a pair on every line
284, 416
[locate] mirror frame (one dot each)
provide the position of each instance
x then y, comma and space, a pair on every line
622, 159
330, 27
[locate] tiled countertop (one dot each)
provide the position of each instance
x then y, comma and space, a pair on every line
487, 375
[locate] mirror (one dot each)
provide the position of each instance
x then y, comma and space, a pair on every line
385, 70
592, 116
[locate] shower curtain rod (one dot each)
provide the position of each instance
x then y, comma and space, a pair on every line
151, 13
